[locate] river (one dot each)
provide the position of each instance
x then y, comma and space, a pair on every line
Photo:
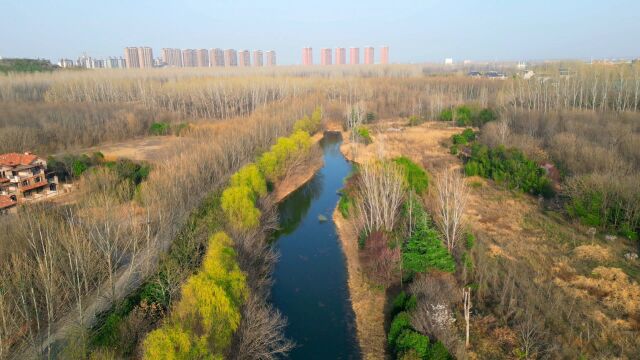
310, 286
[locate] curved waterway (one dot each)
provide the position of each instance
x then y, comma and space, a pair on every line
310, 286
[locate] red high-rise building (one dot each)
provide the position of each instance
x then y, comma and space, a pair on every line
189, 58
230, 57
325, 56
307, 56
384, 55
368, 55
202, 58
271, 58
354, 56
257, 58
216, 57
341, 56
244, 58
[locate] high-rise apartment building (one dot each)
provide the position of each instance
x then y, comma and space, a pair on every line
114, 63
189, 58
354, 56
172, 57
257, 58
244, 58
368, 55
65, 63
145, 57
202, 58
384, 55
271, 58
325, 56
131, 57
307, 56
341, 56
216, 57
230, 57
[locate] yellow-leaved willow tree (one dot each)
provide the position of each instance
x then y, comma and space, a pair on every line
202, 323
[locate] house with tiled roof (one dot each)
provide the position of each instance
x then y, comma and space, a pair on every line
24, 177
7, 204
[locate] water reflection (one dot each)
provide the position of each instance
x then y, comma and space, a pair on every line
310, 277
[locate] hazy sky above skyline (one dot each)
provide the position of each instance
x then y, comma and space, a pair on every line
416, 31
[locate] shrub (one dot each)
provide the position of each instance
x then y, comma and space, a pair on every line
439, 352
470, 240
362, 239
458, 139
400, 322
159, 128
344, 204
463, 116
415, 120
79, 167
239, 208
181, 129
469, 135
424, 250
251, 177
472, 168
453, 150
398, 303
416, 178
509, 167
484, 117
403, 302
410, 340
130, 170
363, 135
446, 115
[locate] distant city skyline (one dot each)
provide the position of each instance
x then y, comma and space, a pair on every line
416, 30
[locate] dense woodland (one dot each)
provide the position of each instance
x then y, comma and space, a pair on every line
114, 273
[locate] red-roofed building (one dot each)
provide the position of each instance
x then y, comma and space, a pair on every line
24, 177
7, 204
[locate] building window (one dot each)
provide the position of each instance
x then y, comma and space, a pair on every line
25, 183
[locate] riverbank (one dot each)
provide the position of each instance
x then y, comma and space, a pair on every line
391, 139
302, 173
368, 302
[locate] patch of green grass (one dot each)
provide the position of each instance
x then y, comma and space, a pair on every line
415, 176
345, 204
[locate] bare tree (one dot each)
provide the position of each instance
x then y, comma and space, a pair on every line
380, 194
354, 118
466, 295
261, 332
452, 195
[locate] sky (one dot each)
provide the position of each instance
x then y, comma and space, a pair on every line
415, 31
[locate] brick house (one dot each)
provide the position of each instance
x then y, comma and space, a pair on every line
24, 177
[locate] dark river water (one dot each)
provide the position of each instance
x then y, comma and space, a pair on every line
311, 276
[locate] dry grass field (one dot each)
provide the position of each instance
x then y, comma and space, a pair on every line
583, 282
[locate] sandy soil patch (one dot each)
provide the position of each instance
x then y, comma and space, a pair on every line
153, 149
367, 301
